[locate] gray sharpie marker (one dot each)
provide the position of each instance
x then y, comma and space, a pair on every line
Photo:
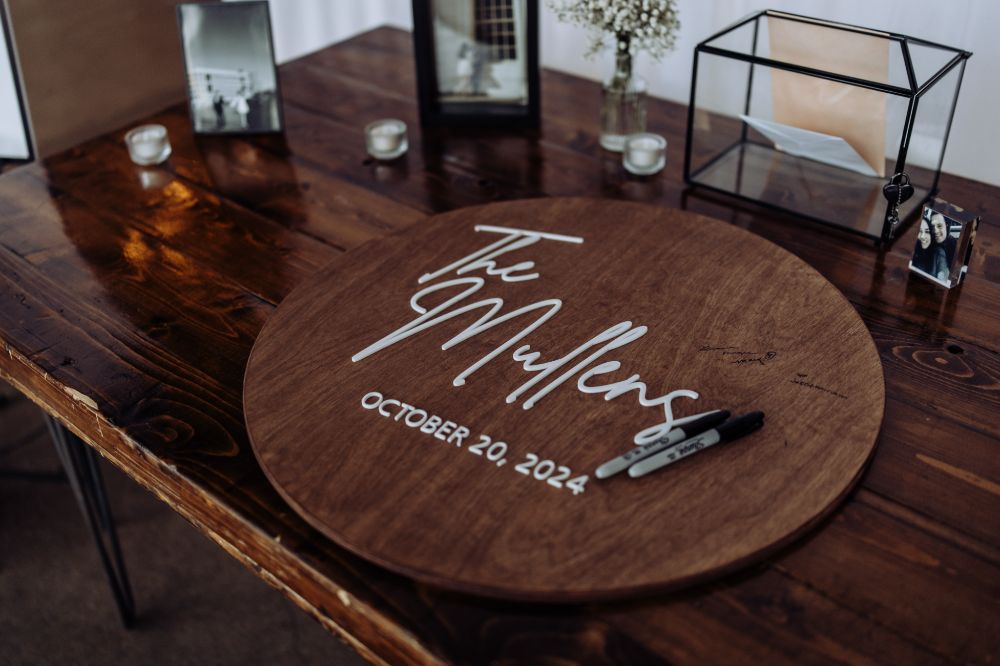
726, 432
688, 428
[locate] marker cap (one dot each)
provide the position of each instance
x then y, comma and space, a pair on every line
738, 427
706, 422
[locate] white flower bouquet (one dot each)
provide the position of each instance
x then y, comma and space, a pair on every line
634, 25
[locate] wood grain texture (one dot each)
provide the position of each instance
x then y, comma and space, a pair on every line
904, 572
743, 323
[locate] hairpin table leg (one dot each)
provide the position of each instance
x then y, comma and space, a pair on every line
80, 463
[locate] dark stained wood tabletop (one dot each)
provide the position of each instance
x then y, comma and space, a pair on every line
130, 299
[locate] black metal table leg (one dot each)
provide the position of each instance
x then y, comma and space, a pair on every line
84, 474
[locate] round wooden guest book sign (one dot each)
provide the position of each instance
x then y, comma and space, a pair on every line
438, 401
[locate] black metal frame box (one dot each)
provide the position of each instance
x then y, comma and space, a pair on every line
732, 77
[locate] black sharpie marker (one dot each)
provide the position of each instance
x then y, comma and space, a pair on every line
726, 432
679, 434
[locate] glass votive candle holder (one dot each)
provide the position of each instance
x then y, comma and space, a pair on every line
644, 154
386, 139
148, 144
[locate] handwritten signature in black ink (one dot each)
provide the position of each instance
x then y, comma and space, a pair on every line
800, 379
744, 357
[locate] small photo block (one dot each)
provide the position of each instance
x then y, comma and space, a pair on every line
945, 237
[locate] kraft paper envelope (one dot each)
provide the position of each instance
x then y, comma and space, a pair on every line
812, 145
858, 115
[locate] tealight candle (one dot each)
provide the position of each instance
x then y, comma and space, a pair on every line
386, 139
644, 154
148, 144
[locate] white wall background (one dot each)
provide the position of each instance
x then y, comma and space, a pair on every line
301, 26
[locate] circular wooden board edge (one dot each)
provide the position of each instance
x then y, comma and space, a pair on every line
555, 596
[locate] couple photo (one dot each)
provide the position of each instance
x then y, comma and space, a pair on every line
232, 82
937, 240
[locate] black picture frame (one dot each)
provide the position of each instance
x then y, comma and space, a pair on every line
15, 73
485, 114
278, 124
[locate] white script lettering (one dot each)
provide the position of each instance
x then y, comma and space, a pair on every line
579, 359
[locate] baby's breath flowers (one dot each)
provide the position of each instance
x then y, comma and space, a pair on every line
629, 26
633, 25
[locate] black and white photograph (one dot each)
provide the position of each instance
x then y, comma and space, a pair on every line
15, 134
477, 62
943, 245
229, 58
480, 51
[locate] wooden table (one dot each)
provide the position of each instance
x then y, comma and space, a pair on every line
129, 301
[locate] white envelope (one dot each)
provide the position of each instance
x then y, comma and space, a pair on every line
825, 148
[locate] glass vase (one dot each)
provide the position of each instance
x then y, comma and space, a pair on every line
623, 104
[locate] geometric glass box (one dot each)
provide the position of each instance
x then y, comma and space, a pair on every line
814, 117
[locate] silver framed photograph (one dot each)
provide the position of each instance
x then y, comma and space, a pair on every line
945, 238
15, 129
229, 62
